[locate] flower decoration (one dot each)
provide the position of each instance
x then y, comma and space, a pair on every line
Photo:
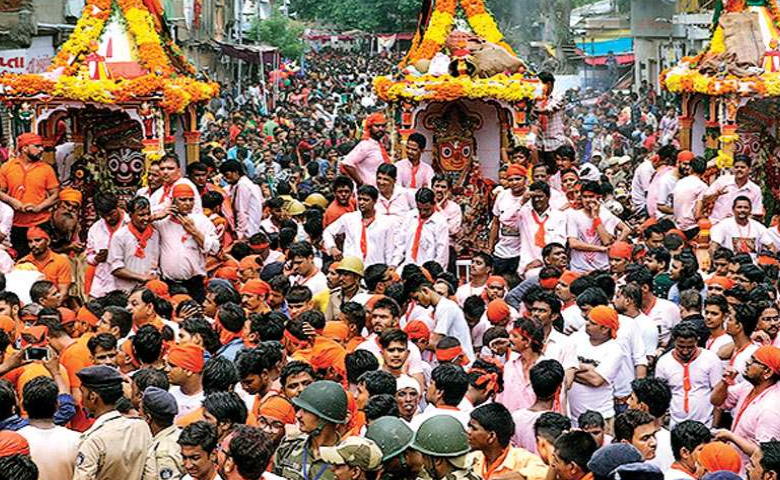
447, 88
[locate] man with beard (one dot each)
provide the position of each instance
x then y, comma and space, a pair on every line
407, 396
64, 227
753, 403
162, 198
99, 237
54, 266
134, 251
362, 162
29, 186
186, 237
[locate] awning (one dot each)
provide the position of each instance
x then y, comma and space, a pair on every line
249, 53
622, 59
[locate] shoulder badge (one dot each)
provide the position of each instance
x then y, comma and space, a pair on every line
166, 473
79, 459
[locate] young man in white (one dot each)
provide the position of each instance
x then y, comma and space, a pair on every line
481, 269
422, 234
246, 197
687, 192
691, 372
539, 225
663, 313
394, 200
304, 271
593, 368
412, 171
504, 232
591, 230
740, 233
366, 235
727, 188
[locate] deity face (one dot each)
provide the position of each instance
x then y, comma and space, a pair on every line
126, 166
456, 154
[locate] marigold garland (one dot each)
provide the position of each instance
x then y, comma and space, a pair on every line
447, 88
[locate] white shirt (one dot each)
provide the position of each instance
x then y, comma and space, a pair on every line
99, 238
400, 202
432, 411
629, 338
121, 254
317, 283
160, 200
580, 226
506, 209
665, 196
606, 358
648, 331
705, 371
181, 258
723, 206
434, 240
750, 238
452, 212
451, 322
414, 363
467, 290
554, 225
642, 177
422, 178
53, 450
248, 206
379, 237
664, 457
186, 403
686, 193
665, 315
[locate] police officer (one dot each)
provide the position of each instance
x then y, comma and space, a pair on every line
443, 442
352, 458
322, 406
158, 408
394, 437
115, 447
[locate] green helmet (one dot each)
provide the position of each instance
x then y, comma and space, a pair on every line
391, 434
326, 399
441, 436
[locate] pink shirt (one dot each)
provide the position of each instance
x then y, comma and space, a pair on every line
248, 205
552, 221
524, 436
422, 178
759, 420
99, 238
159, 200
517, 392
686, 193
653, 190
434, 241
451, 211
122, 255
724, 204
400, 202
379, 237
366, 158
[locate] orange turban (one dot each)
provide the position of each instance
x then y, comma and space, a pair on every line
605, 316
248, 262
70, 195
327, 353
716, 456
179, 298
621, 250
336, 330
449, 354
764, 260
720, 280
159, 288
182, 190
498, 311
28, 139
417, 330
278, 408
256, 286
187, 356
496, 279
36, 334
86, 316
372, 301
568, 277
36, 232
7, 324
227, 273
516, 170
769, 355
685, 156
373, 119
11, 443
67, 315
548, 283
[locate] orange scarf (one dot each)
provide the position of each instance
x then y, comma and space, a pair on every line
686, 378
539, 236
142, 237
365, 223
416, 241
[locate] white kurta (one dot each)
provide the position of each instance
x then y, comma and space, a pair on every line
99, 237
181, 258
161, 198
434, 240
379, 237
248, 206
121, 254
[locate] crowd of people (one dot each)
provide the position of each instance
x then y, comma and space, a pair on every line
295, 305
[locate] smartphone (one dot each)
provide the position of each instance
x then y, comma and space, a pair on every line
36, 353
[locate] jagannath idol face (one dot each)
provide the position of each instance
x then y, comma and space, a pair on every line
456, 154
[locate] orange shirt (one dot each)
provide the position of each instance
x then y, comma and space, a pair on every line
55, 267
334, 211
197, 414
75, 357
28, 184
354, 342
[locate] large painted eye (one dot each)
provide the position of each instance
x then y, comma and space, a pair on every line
137, 165
446, 150
465, 151
113, 164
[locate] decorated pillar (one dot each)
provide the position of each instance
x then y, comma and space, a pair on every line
520, 126
192, 144
728, 131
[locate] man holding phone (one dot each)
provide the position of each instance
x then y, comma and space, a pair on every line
186, 238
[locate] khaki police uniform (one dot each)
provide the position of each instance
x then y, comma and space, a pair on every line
165, 455
114, 448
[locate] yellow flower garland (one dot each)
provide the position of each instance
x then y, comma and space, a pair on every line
447, 88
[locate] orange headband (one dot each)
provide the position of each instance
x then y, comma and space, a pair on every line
70, 195
487, 379
568, 277
34, 233
451, 353
182, 190
548, 283
187, 356
496, 278
769, 355
497, 311
86, 316
294, 340
621, 250
279, 408
159, 288
256, 286
417, 329
28, 139
605, 316
716, 456
516, 170
336, 330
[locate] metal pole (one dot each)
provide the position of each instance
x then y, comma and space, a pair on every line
240, 39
